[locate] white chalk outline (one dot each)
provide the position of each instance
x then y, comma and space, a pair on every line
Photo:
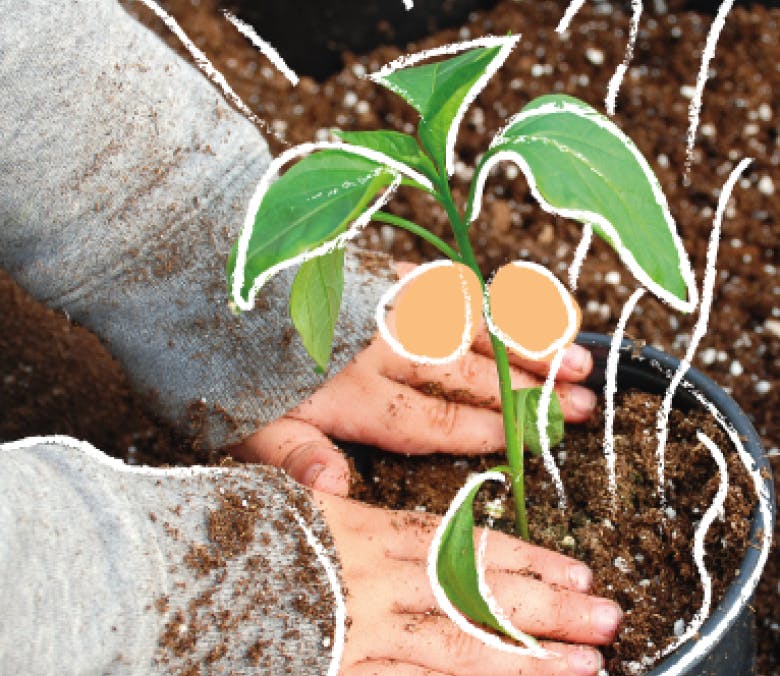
208, 69
558, 343
116, 465
388, 297
694, 108
624, 254
700, 327
571, 10
465, 625
704, 643
506, 44
617, 78
579, 255
397, 169
699, 551
610, 388
541, 426
265, 47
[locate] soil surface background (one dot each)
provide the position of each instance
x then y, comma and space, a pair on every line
55, 377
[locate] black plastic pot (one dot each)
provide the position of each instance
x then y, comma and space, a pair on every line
650, 370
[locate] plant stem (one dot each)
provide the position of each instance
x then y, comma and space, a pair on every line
427, 235
514, 448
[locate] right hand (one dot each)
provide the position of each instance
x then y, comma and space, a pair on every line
397, 628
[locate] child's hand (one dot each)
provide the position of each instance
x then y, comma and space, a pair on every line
385, 400
397, 628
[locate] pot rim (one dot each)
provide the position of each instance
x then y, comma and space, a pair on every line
663, 364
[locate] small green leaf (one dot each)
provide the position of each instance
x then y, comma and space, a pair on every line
456, 568
315, 301
580, 161
394, 144
527, 416
314, 202
437, 91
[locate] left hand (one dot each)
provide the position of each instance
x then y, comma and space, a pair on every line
385, 400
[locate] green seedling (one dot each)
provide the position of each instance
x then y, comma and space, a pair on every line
578, 164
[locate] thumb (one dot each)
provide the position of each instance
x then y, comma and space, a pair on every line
302, 450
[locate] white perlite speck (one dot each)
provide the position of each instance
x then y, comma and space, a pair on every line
763, 386
679, 627
595, 56
766, 186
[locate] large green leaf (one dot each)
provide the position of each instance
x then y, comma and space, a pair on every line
580, 161
315, 301
437, 91
394, 144
456, 568
527, 417
312, 203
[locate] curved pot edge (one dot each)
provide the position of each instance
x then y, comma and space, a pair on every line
689, 655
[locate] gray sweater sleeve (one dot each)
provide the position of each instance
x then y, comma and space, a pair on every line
109, 569
124, 178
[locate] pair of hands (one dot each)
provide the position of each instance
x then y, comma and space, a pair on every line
396, 627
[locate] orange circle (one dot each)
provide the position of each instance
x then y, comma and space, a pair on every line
429, 313
527, 306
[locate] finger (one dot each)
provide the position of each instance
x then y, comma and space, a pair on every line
474, 379
577, 361
503, 553
302, 450
533, 606
391, 668
433, 641
399, 418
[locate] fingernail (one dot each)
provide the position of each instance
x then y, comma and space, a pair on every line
331, 480
311, 475
580, 578
582, 399
606, 618
585, 661
577, 358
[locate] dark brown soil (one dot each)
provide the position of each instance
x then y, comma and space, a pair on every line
57, 379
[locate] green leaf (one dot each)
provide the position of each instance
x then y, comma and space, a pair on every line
527, 417
394, 144
456, 568
581, 161
312, 203
315, 301
437, 91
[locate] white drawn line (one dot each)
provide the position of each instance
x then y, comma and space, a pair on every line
724, 620
700, 328
571, 10
265, 47
333, 579
694, 109
506, 45
541, 427
610, 388
489, 639
397, 168
617, 78
589, 216
579, 255
208, 69
387, 300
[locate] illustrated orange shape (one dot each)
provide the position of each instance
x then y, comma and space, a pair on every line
429, 317
528, 307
